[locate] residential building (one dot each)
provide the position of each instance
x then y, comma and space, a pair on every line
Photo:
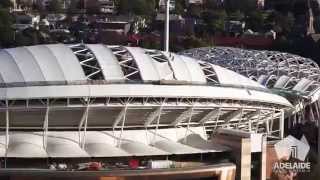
162, 5
108, 6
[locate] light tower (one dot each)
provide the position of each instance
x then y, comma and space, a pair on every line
167, 26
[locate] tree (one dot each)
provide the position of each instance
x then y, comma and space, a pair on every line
212, 4
55, 6
137, 7
75, 6
5, 4
214, 20
25, 3
236, 16
194, 11
180, 7
255, 21
93, 7
6, 31
280, 22
245, 6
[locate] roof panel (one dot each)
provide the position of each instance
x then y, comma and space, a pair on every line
64, 145
176, 148
228, 77
103, 144
145, 63
196, 141
195, 70
180, 68
132, 90
26, 145
108, 62
104, 150
48, 63
140, 149
47, 91
68, 62
27, 64
9, 69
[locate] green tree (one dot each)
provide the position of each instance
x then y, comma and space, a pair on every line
236, 16
180, 7
214, 20
255, 21
28, 37
5, 4
6, 31
211, 4
281, 23
194, 11
25, 3
55, 6
74, 6
138, 7
245, 6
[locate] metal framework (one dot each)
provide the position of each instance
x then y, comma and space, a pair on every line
88, 62
164, 60
150, 113
286, 72
127, 62
209, 72
270, 68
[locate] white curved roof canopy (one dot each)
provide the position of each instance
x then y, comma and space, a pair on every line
45, 63
56, 71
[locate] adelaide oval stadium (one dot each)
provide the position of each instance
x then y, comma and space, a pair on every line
96, 101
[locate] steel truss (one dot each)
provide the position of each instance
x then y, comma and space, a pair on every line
209, 72
127, 62
88, 62
266, 67
247, 116
160, 57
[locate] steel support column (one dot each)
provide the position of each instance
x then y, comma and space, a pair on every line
154, 115
122, 125
7, 131
188, 125
318, 105
167, 26
281, 124
211, 115
46, 126
83, 123
158, 120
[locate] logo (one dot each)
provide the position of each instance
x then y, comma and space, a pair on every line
292, 153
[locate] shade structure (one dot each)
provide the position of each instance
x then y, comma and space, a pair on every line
102, 144
196, 141
140, 149
64, 145
176, 148
26, 145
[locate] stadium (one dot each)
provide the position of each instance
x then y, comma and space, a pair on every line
80, 101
